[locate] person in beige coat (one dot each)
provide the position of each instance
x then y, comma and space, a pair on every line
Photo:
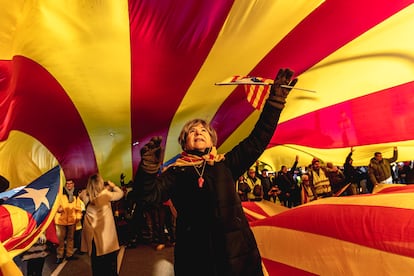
99, 236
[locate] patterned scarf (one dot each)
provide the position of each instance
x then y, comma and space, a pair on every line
70, 194
188, 159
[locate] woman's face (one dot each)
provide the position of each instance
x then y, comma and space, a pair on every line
198, 138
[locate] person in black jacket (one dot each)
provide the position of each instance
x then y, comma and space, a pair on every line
351, 175
212, 233
290, 191
265, 181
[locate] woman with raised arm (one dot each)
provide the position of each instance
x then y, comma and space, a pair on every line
99, 236
212, 235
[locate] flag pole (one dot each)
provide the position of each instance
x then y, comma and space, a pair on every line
264, 83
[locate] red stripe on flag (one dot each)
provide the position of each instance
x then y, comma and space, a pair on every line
283, 269
236, 78
251, 93
16, 240
257, 94
359, 224
252, 206
5, 224
51, 233
26, 241
264, 95
400, 189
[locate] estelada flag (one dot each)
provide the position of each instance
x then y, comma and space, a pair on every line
28, 213
257, 88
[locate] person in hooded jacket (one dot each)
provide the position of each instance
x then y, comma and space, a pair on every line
213, 235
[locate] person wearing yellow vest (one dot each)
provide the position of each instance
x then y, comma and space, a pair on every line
68, 214
255, 184
319, 179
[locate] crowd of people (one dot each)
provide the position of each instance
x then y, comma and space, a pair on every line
293, 186
195, 204
97, 220
100, 218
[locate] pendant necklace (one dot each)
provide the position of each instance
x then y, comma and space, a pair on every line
200, 178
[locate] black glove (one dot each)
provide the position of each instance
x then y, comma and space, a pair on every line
278, 94
151, 155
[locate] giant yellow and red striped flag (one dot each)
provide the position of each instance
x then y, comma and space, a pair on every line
256, 210
108, 75
370, 234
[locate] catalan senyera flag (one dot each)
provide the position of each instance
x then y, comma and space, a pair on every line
367, 234
28, 213
57, 75
257, 88
256, 210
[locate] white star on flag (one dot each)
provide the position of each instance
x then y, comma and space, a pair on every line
38, 196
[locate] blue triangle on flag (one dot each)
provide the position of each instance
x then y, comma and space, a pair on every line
38, 197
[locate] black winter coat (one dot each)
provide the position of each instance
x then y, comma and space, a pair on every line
213, 234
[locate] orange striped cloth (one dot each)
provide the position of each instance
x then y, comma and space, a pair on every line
370, 234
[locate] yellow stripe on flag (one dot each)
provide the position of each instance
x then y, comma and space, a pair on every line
19, 219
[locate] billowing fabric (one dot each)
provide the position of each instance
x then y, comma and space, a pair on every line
256, 210
370, 234
25, 215
86, 85
28, 213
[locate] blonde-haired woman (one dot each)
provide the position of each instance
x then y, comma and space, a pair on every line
99, 237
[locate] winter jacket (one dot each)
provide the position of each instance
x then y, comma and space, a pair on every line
99, 223
350, 172
72, 211
381, 170
213, 234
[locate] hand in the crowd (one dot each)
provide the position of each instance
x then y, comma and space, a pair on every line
283, 77
82, 192
111, 184
42, 238
151, 155
395, 148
